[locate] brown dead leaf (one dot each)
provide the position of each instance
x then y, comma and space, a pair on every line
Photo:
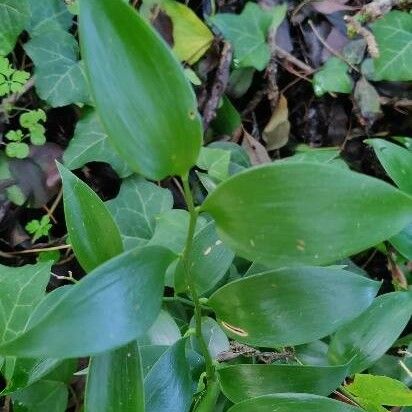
256, 151
276, 132
331, 6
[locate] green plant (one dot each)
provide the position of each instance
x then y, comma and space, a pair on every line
30, 121
282, 334
39, 228
11, 80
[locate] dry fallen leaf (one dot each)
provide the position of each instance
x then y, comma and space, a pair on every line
256, 151
276, 132
331, 6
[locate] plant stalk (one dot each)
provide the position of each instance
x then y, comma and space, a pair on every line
210, 370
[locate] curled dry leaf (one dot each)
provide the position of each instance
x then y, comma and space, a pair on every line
256, 151
276, 132
331, 6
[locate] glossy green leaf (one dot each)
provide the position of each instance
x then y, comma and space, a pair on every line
168, 386
137, 208
332, 77
397, 162
171, 229
14, 14
108, 308
26, 371
48, 15
293, 402
21, 290
313, 353
93, 233
90, 144
159, 131
365, 339
210, 260
403, 242
380, 390
393, 34
115, 381
42, 396
262, 213
59, 75
240, 382
257, 310
215, 161
213, 335
163, 332
247, 32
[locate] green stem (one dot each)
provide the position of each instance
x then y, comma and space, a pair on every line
210, 370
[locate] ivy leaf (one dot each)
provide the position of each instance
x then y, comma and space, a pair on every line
247, 33
59, 75
14, 15
215, 161
90, 144
380, 390
393, 33
21, 289
137, 224
332, 77
48, 15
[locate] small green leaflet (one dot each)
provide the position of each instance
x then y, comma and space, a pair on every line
21, 289
393, 33
247, 33
332, 77
90, 144
137, 208
11, 80
14, 15
39, 228
60, 79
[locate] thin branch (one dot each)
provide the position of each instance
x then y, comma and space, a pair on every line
334, 52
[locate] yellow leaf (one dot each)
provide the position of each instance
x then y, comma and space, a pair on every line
191, 36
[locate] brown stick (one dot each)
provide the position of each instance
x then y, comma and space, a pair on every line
219, 85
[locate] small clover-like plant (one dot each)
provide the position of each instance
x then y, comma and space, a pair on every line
31, 121
39, 228
16, 147
11, 79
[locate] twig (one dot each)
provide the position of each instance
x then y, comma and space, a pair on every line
355, 26
219, 85
378, 8
46, 249
13, 98
238, 349
272, 70
325, 43
283, 54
